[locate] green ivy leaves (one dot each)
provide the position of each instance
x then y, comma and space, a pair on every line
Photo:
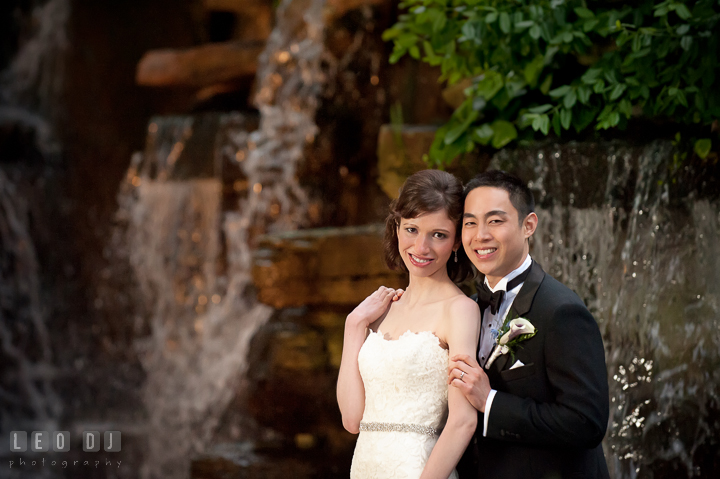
564, 65
702, 147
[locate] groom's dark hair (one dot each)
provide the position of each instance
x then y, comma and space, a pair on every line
520, 195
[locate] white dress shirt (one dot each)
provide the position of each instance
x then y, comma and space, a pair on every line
495, 321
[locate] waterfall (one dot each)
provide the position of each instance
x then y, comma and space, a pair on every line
31, 86
290, 80
191, 256
27, 397
29, 89
616, 227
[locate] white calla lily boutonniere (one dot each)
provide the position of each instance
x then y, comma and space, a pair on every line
512, 333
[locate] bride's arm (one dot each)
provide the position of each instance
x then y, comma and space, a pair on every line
350, 388
462, 336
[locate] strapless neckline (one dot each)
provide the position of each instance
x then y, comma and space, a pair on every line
410, 334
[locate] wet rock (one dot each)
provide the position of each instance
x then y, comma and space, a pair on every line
298, 351
330, 266
334, 344
401, 150
186, 147
250, 465
400, 154
294, 361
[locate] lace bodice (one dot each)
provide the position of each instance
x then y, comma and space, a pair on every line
405, 384
405, 379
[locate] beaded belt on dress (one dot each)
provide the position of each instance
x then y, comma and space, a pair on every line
389, 426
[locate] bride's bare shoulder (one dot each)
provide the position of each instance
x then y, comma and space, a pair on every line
460, 311
461, 322
460, 304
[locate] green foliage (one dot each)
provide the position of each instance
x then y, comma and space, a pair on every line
564, 64
702, 147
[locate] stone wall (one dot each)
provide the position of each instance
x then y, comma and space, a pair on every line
313, 278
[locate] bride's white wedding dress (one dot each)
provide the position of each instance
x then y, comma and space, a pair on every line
406, 405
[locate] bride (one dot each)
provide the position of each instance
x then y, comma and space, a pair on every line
392, 386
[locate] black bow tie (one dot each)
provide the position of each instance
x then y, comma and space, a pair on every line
488, 298
494, 299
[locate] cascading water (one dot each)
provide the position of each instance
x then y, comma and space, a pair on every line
28, 400
29, 91
645, 261
290, 80
31, 86
201, 317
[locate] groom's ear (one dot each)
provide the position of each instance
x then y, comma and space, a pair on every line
529, 225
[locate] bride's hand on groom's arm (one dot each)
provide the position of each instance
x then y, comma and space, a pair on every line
374, 306
465, 373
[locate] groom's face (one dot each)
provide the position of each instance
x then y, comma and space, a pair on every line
493, 236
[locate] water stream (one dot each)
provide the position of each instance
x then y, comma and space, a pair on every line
31, 86
190, 254
615, 227
28, 400
29, 90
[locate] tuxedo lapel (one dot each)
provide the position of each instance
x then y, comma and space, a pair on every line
521, 306
524, 300
474, 297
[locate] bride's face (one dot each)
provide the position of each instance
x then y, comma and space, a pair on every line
426, 243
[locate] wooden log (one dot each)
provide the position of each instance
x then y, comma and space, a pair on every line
338, 8
200, 66
219, 63
326, 266
234, 5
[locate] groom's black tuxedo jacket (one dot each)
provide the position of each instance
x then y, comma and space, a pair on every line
549, 416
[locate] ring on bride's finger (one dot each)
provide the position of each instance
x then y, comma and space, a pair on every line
462, 373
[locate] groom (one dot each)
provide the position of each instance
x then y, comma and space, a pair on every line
543, 412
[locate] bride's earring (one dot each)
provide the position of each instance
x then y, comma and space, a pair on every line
456, 256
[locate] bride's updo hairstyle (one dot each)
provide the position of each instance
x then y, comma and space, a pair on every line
427, 191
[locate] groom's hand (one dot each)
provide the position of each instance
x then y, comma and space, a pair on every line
466, 374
